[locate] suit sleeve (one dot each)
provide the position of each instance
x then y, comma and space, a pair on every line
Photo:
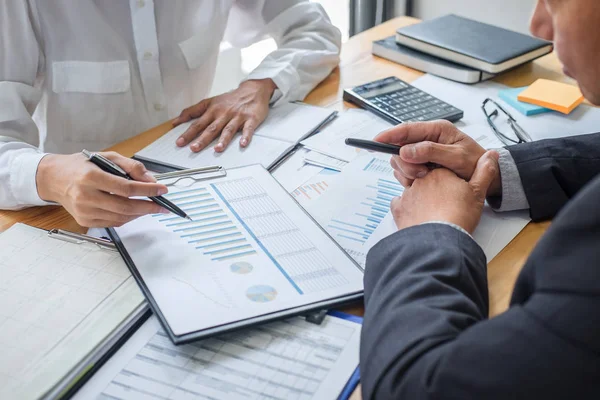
553, 171
426, 334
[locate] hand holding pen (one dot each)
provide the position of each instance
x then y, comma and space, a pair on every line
96, 198
108, 166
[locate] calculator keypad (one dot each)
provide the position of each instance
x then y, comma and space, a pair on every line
411, 104
404, 102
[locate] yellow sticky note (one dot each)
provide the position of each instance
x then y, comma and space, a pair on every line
553, 95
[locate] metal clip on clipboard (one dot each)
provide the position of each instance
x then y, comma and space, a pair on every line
195, 174
77, 238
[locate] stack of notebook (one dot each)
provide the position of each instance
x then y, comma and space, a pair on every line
460, 49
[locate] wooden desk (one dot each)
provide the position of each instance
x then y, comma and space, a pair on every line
357, 66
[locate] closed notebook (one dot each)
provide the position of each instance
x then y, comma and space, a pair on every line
464, 41
553, 95
388, 48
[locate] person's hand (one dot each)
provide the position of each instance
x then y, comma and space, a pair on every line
438, 142
96, 198
443, 196
242, 109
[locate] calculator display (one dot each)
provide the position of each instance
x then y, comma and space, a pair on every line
368, 93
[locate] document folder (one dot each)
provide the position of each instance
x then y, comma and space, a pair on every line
250, 255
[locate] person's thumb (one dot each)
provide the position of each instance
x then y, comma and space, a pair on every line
486, 171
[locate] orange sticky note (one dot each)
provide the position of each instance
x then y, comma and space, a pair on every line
553, 95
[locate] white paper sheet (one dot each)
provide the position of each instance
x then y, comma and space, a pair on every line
584, 119
356, 202
58, 301
353, 123
295, 171
322, 160
284, 127
313, 189
249, 251
494, 233
291, 359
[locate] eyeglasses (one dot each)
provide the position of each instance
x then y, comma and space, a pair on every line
492, 110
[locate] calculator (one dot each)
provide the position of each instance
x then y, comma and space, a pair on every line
398, 102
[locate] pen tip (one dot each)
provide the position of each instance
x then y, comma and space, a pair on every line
188, 218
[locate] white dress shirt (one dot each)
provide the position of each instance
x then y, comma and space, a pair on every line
91, 73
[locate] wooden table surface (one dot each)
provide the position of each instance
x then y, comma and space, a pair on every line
357, 66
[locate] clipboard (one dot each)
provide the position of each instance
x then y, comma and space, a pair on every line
215, 173
113, 310
107, 347
354, 380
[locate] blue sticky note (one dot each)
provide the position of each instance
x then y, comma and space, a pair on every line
510, 97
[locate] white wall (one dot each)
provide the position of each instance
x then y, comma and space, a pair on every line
510, 14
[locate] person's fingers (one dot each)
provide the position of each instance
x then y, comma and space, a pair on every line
195, 128
402, 179
209, 134
399, 171
248, 131
105, 223
195, 111
134, 168
434, 131
411, 171
126, 188
446, 155
228, 133
127, 207
485, 172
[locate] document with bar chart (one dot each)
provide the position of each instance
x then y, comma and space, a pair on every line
356, 203
249, 254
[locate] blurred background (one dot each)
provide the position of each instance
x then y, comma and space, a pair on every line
354, 16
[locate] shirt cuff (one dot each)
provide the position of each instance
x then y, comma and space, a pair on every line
23, 171
285, 78
459, 228
513, 195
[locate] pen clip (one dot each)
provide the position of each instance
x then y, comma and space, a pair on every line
108, 163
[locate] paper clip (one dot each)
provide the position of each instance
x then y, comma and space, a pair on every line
77, 238
195, 174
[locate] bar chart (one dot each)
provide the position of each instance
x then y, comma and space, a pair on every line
211, 230
310, 191
375, 204
292, 252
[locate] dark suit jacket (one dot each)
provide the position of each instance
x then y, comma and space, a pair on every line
426, 334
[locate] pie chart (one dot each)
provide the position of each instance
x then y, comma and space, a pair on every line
241, 268
261, 293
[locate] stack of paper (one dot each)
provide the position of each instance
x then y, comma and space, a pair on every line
285, 126
352, 123
553, 95
291, 359
510, 96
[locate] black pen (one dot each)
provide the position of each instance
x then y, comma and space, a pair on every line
386, 148
108, 166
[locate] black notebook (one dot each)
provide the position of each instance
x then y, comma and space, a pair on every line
481, 46
389, 49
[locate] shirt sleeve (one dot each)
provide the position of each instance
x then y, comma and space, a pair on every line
513, 195
308, 45
20, 61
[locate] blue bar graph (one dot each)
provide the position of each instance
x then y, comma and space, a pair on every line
211, 230
359, 225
